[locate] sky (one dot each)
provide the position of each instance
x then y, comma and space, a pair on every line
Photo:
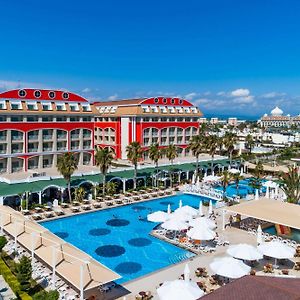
229, 57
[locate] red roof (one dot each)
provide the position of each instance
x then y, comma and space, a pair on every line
258, 288
31, 94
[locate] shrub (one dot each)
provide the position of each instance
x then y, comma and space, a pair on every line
43, 295
3, 242
24, 272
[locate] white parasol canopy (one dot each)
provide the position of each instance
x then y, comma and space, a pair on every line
234, 171
181, 216
277, 250
259, 238
200, 209
201, 233
158, 216
244, 251
229, 267
211, 178
174, 224
178, 290
270, 184
187, 210
203, 222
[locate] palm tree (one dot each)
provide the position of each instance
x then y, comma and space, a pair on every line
237, 177
111, 188
225, 179
79, 194
66, 166
290, 184
103, 159
196, 146
211, 146
230, 139
134, 154
155, 154
258, 171
220, 144
250, 142
171, 154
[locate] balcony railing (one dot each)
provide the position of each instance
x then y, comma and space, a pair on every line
61, 136
61, 148
47, 149
17, 169
3, 137
86, 146
47, 137
33, 137
3, 170
18, 150
17, 137
74, 136
3, 151
75, 147
33, 149
87, 135
47, 166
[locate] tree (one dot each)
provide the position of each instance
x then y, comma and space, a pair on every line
79, 194
230, 139
211, 146
196, 146
134, 154
237, 177
66, 166
220, 143
24, 273
44, 295
171, 154
3, 242
103, 159
258, 171
111, 188
250, 142
225, 179
290, 184
155, 154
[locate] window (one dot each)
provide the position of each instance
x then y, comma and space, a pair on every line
2, 104
37, 94
32, 119
47, 106
86, 107
165, 100
86, 119
173, 101
180, 101
65, 95
156, 100
16, 119
74, 107
60, 106
2, 118
61, 119
47, 119
32, 106
15, 105
22, 93
51, 95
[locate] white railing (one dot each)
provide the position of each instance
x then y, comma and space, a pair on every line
203, 190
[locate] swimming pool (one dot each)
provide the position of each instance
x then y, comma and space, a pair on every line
118, 239
244, 189
295, 233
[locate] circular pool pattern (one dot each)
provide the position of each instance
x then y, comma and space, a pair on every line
167, 203
117, 222
139, 242
128, 267
110, 251
99, 231
139, 207
61, 234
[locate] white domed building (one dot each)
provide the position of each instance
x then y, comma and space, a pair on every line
275, 119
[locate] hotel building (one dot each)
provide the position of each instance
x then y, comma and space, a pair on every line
36, 126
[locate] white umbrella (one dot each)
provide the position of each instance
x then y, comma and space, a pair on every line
270, 184
277, 250
169, 209
267, 192
174, 224
188, 210
256, 194
181, 216
210, 208
180, 203
158, 216
259, 238
233, 171
244, 251
200, 209
203, 222
229, 267
201, 233
187, 273
178, 290
211, 178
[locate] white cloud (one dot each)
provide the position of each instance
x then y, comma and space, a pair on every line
244, 100
10, 85
272, 95
86, 90
113, 97
190, 96
240, 93
222, 93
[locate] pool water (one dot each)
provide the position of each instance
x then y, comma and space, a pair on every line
118, 239
244, 189
295, 233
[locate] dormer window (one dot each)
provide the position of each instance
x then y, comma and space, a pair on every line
2, 104
74, 107
60, 106
156, 100
32, 105
180, 101
65, 95
86, 107
47, 106
51, 94
164, 100
15, 105
173, 101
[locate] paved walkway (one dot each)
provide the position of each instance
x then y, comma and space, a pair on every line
8, 294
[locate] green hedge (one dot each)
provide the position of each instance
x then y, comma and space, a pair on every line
12, 281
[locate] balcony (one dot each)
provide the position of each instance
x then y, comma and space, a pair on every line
47, 137
3, 151
61, 136
61, 148
17, 150
86, 147
75, 147
47, 149
3, 137
75, 136
33, 149
17, 137
87, 136
33, 137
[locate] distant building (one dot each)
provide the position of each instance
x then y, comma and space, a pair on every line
276, 119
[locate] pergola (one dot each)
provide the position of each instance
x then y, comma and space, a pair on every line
78, 268
268, 210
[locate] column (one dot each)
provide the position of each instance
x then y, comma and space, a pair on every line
124, 185
8, 151
40, 148
53, 266
223, 219
40, 197
32, 248
81, 282
80, 159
